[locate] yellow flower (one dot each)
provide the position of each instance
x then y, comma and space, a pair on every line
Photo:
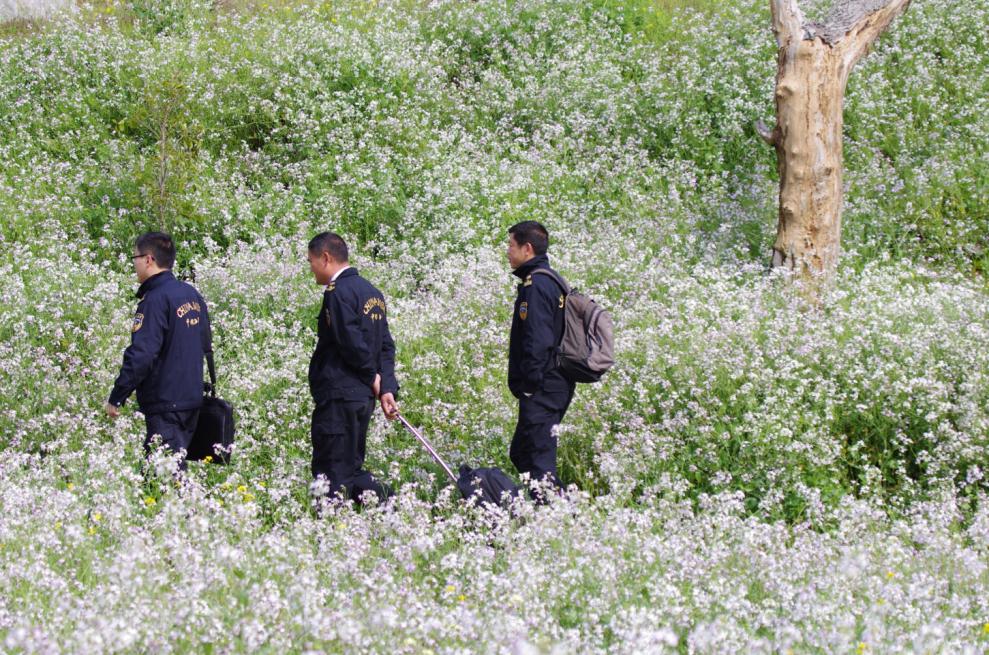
70, 486
985, 628
242, 489
149, 501
861, 648
96, 517
208, 459
450, 589
461, 598
92, 530
890, 575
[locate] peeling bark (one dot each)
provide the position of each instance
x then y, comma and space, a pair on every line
814, 62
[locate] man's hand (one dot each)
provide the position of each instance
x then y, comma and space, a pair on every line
376, 385
389, 406
111, 410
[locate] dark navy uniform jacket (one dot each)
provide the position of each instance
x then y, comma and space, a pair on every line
353, 343
537, 329
169, 336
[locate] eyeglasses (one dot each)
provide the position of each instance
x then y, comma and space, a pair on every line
138, 256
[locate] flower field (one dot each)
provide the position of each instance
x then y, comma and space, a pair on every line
754, 476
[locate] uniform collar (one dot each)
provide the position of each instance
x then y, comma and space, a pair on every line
337, 274
350, 271
154, 282
347, 272
539, 261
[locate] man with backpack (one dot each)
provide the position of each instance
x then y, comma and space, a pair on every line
534, 376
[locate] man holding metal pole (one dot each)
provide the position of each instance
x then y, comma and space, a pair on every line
354, 363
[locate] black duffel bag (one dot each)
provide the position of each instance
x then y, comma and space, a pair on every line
487, 485
214, 436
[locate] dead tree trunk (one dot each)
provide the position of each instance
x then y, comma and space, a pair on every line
814, 63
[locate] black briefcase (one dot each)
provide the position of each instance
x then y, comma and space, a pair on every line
214, 436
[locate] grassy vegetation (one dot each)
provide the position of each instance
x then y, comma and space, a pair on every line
754, 475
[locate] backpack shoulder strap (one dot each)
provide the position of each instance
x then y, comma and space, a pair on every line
556, 278
212, 373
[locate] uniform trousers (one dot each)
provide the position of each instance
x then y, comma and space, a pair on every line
176, 430
533, 448
339, 446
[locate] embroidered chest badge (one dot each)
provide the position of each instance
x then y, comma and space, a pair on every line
523, 310
138, 322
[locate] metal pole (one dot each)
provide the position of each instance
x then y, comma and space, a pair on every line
429, 447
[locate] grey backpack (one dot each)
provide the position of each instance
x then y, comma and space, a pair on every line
587, 350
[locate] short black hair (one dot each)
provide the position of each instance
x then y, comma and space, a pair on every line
159, 245
332, 243
532, 233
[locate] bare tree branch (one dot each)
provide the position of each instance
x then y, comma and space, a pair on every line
787, 21
867, 29
852, 16
769, 136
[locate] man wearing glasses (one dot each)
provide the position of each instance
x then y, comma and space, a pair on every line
169, 337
